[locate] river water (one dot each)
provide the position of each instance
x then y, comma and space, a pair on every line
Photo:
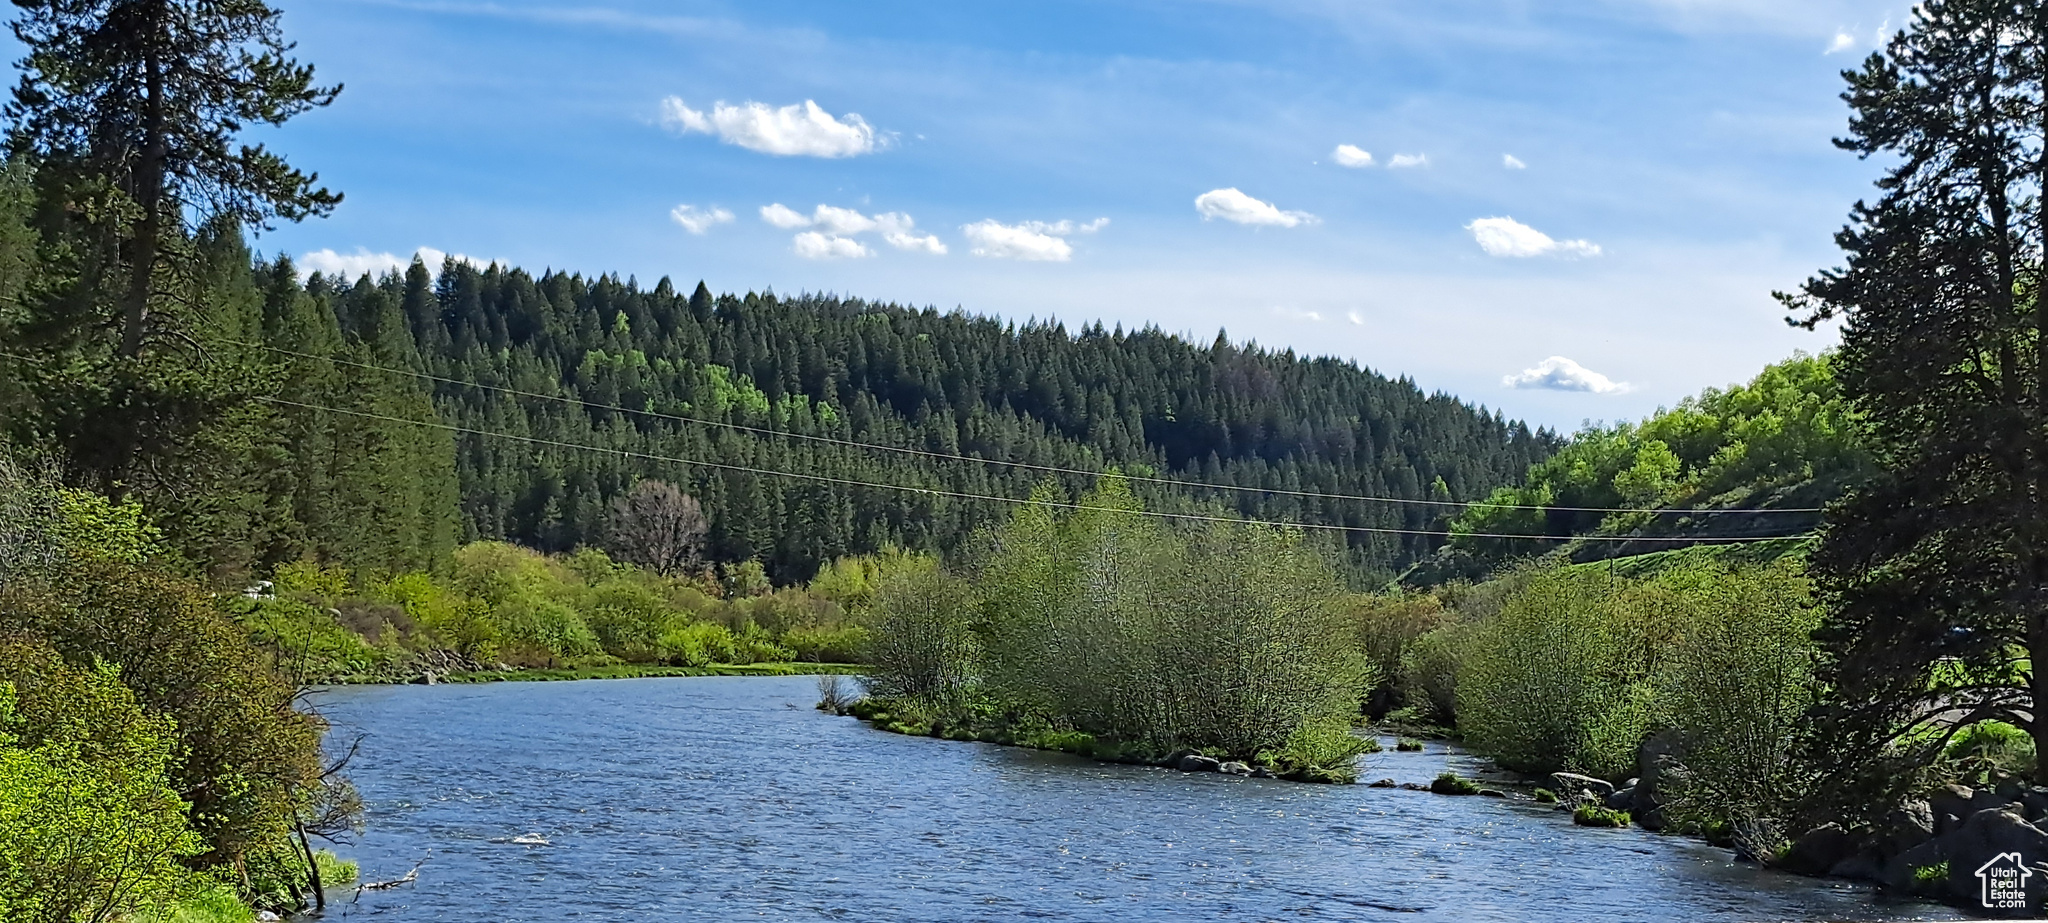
731, 798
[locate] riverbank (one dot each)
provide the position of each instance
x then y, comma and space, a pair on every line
617, 671
1006, 731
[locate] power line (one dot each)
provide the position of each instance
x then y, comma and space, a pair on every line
961, 495
1028, 466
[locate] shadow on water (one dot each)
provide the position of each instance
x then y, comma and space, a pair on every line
731, 798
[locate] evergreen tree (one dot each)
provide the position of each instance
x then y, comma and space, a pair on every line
1936, 573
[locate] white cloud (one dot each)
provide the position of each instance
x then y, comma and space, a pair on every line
1512, 162
352, 266
1843, 42
1508, 237
1560, 374
1233, 205
812, 245
699, 220
803, 130
835, 228
1348, 155
1404, 161
1033, 241
1313, 317
784, 217
1356, 319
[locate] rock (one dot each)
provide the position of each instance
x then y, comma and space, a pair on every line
1235, 769
1963, 801
1907, 826
1414, 787
1261, 772
1988, 842
424, 679
1621, 799
265, 916
1195, 762
1382, 783
1570, 784
1492, 793
1863, 866
1898, 873
2036, 802
1656, 757
1819, 850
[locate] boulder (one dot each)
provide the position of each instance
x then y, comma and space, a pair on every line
1819, 850
1986, 842
1621, 799
1863, 866
1898, 872
1568, 785
1382, 783
1656, 757
1261, 772
1235, 769
1492, 793
1907, 826
1195, 762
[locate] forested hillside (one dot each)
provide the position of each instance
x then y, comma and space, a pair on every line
379, 422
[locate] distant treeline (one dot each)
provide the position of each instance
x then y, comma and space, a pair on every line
262, 431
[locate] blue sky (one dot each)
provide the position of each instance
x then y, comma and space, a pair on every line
1139, 161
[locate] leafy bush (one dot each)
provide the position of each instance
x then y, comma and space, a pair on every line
698, 644
89, 824
1545, 796
923, 647
1992, 746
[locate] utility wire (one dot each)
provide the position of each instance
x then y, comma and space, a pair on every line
1028, 466
960, 495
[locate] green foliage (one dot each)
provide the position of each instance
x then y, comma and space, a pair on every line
1545, 796
1931, 878
242, 751
1450, 783
1552, 673
1989, 747
1408, 745
1936, 564
1741, 447
1593, 815
89, 823
212, 905
924, 649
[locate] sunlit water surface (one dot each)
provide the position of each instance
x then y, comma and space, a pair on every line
728, 798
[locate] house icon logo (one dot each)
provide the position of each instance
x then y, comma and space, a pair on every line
2004, 881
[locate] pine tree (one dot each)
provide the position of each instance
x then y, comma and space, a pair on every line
1936, 574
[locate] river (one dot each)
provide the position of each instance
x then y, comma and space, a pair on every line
726, 798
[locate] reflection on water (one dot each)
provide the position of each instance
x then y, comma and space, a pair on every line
731, 798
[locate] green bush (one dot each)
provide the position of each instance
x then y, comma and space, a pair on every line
844, 644
1992, 746
698, 644
1408, 745
89, 824
1545, 796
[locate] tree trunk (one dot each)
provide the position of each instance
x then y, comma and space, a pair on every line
312, 870
149, 194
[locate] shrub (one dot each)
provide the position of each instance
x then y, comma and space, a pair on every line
698, 644
1546, 672
923, 649
89, 824
1992, 746
1408, 745
1430, 667
1931, 877
846, 644
1545, 796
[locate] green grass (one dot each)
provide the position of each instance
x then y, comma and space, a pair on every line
335, 870
1408, 745
1450, 783
1592, 815
1545, 796
216, 905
